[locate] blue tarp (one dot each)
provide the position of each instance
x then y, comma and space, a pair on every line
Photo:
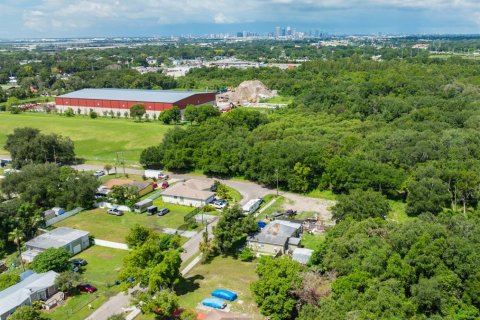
214, 303
224, 294
261, 224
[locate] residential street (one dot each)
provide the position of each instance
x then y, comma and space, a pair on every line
248, 190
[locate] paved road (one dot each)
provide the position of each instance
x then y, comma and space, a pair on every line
113, 306
191, 246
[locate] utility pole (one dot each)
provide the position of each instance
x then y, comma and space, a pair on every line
123, 164
54, 155
276, 173
118, 162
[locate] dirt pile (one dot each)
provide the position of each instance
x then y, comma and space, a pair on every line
251, 91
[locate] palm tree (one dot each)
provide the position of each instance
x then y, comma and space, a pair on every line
16, 236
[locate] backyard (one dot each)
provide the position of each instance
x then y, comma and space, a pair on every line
112, 228
101, 272
226, 273
96, 140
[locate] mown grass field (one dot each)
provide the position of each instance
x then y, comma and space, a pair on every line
112, 228
96, 140
101, 272
225, 273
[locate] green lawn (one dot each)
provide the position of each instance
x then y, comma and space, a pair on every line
276, 206
397, 211
322, 194
112, 228
304, 215
101, 272
226, 273
234, 194
312, 241
96, 140
266, 200
280, 100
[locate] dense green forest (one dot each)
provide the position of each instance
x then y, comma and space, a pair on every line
402, 129
408, 129
425, 268
40, 72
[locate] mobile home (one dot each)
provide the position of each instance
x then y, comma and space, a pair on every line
251, 206
142, 206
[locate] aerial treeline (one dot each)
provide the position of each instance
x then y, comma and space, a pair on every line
30, 146
425, 268
39, 73
406, 129
40, 185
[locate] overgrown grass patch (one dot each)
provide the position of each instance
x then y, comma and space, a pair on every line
278, 205
312, 241
397, 211
322, 194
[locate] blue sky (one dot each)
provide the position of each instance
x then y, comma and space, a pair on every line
98, 18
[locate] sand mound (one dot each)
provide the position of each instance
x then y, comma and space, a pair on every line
251, 91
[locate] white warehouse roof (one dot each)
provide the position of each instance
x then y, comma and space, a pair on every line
166, 96
56, 238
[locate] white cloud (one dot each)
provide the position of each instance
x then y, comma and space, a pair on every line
220, 18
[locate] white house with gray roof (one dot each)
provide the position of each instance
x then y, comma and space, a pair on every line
38, 286
73, 240
193, 193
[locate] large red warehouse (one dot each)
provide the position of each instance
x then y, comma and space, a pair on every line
120, 100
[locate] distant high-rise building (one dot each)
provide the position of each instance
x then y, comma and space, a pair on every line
282, 33
239, 34
277, 32
289, 31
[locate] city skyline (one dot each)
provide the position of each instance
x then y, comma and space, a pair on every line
107, 18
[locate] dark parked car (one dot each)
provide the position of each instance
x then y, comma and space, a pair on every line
276, 214
85, 287
79, 262
115, 212
152, 210
290, 212
163, 211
